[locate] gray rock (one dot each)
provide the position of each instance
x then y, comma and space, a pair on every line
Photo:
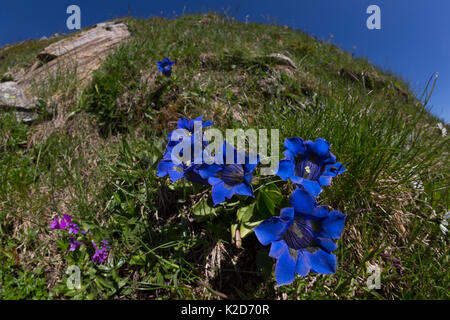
12, 96
282, 60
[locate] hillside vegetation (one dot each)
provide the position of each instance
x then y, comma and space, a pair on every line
93, 152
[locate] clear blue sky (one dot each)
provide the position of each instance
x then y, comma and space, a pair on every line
414, 40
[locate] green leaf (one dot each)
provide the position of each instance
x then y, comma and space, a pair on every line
268, 199
138, 259
248, 218
247, 227
244, 214
203, 210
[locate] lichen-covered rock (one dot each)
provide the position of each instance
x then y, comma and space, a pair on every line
12, 96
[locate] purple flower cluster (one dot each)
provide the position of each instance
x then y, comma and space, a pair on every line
65, 223
74, 244
100, 255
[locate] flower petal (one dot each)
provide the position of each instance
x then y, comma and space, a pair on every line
321, 147
303, 264
303, 202
243, 189
277, 249
251, 166
248, 177
214, 180
326, 243
295, 145
285, 269
333, 225
208, 170
330, 159
285, 169
163, 168
313, 187
323, 262
183, 123
219, 191
287, 214
325, 180
334, 169
270, 230
176, 174
320, 212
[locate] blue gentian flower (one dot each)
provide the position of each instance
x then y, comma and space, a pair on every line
302, 238
229, 179
165, 66
190, 169
310, 165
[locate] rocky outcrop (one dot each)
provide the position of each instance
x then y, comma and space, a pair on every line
84, 52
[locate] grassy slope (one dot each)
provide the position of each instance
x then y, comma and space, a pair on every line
98, 165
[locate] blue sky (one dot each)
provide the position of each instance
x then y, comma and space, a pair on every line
414, 40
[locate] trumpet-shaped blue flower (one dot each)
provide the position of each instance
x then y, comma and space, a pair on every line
308, 164
165, 66
302, 238
228, 179
177, 169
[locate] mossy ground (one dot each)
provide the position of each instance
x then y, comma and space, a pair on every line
94, 157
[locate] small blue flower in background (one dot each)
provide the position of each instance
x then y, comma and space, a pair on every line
309, 164
229, 179
302, 238
189, 170
165, 66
